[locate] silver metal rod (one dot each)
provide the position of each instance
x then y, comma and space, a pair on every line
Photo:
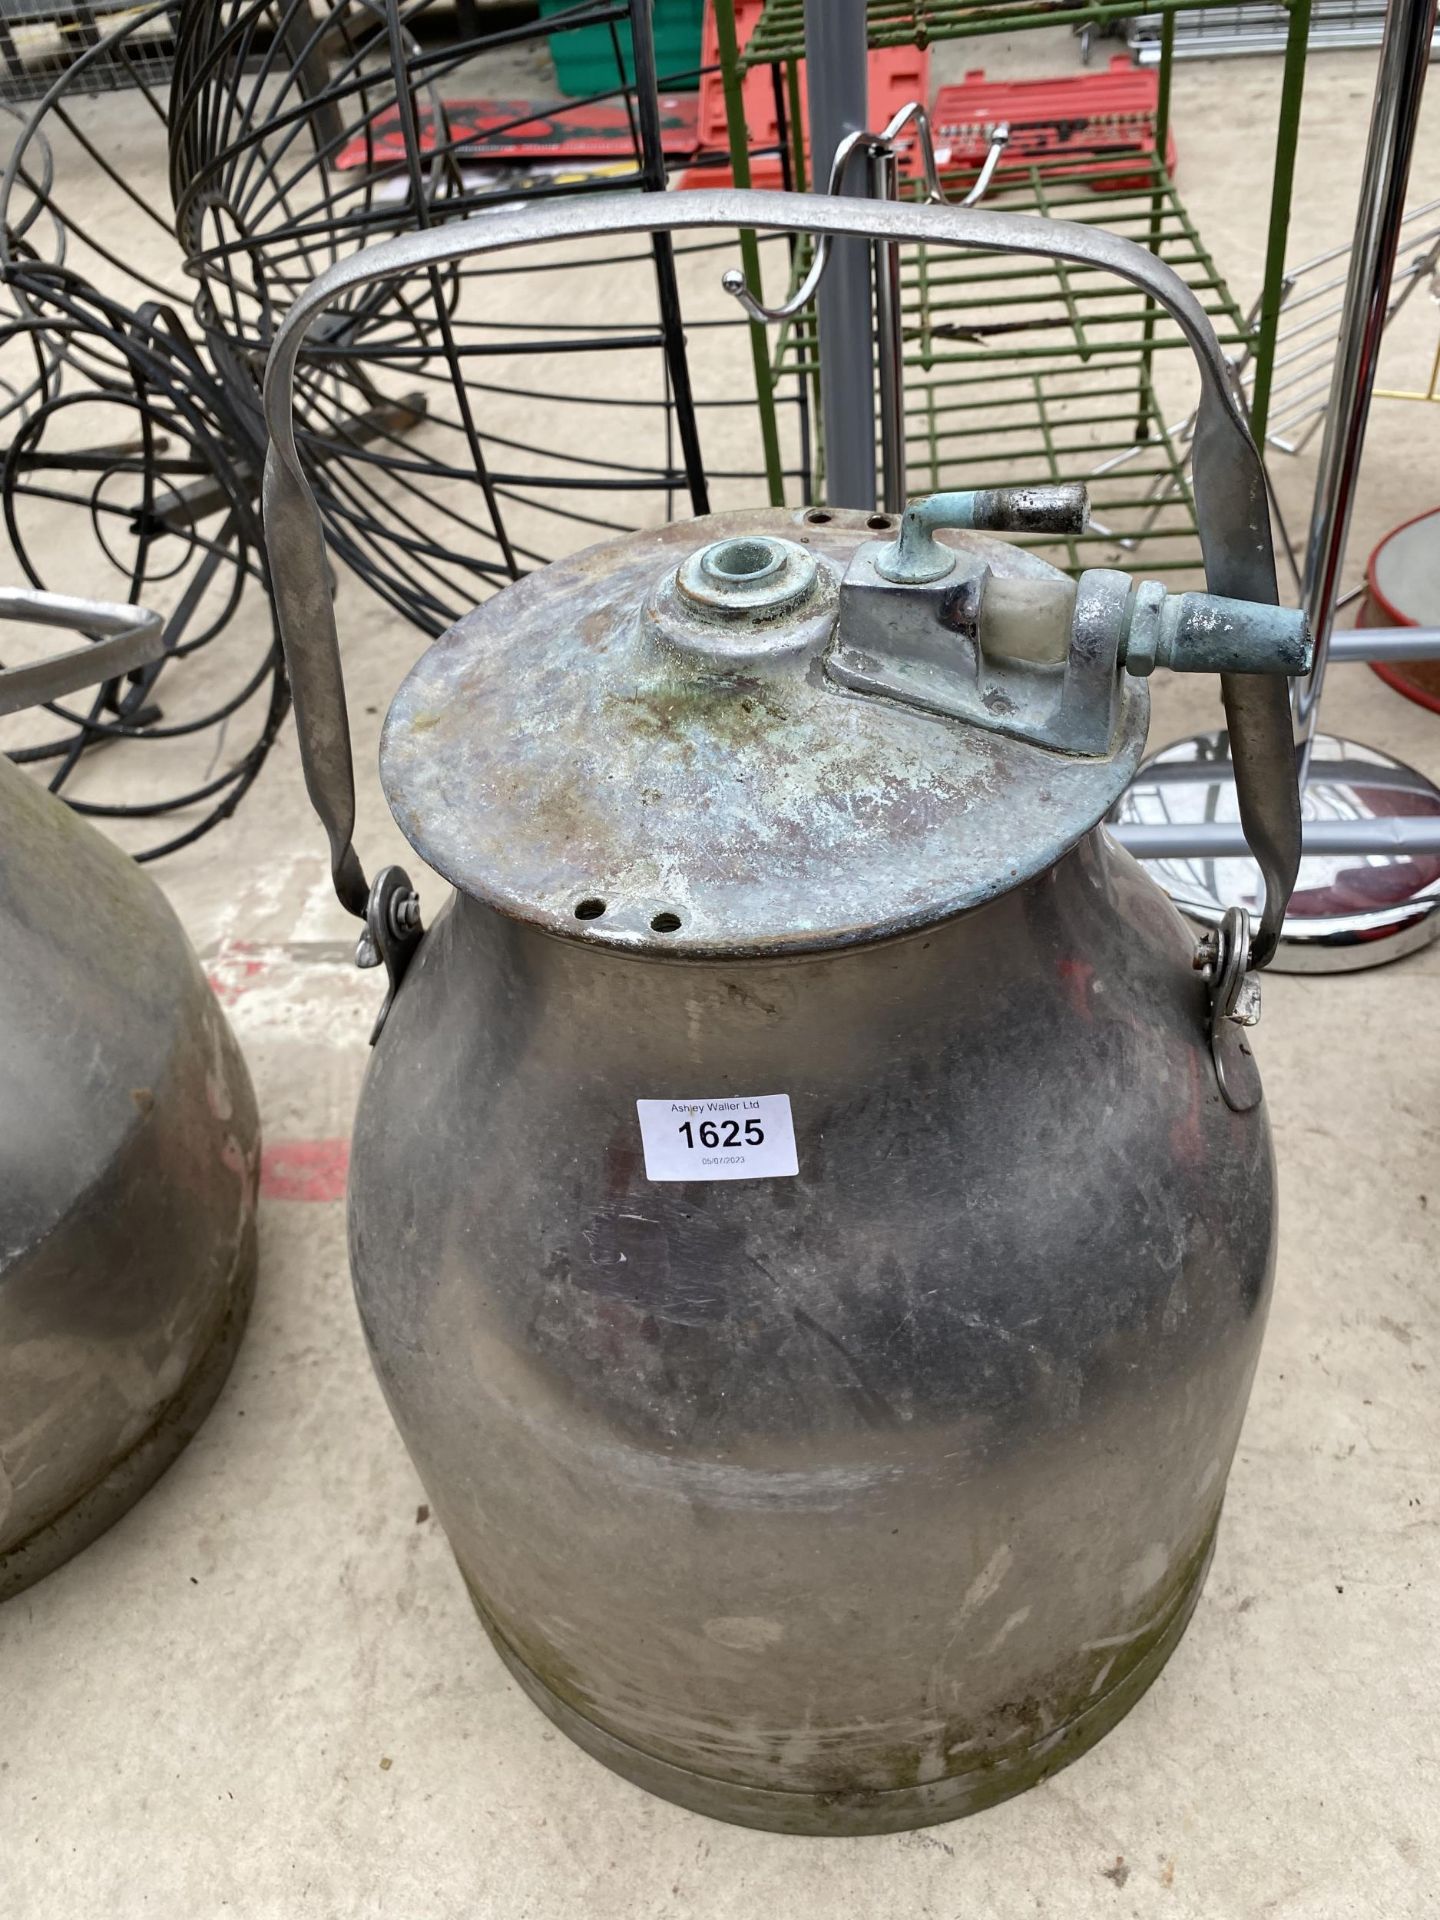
1334, 253
884, 164
122, 639
1399, 83
1385, 643
837, 79
1225, 840
1306, 326
1317, 376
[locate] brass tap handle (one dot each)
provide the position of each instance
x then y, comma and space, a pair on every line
915, 556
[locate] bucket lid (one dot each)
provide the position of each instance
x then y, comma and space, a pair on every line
596, 752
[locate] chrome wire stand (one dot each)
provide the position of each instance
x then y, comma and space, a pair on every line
1354, 906
1378, 898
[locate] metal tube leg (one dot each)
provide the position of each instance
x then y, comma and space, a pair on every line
885, 185
836, 68
1272, 297
672, 322
1225, 840
1369, 887
724, 13
1399, 83
1157, 200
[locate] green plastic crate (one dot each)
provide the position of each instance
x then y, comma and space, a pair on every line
585, 57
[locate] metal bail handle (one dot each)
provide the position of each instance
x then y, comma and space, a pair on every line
122, 638
1231, 505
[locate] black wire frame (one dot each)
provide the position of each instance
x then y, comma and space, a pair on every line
257, 222
142, 362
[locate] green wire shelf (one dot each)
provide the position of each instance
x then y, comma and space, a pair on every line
1019, 369
780, 32
1040, 423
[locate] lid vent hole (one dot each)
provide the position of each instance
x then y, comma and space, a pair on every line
740, 563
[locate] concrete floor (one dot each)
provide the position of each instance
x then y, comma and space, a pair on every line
264, 1692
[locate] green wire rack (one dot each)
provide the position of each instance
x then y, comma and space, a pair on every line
780, 33
1018, 369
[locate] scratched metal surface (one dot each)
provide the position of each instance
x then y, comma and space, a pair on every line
850, 1501
551, 749
130, 1143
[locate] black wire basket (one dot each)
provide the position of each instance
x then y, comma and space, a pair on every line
464, 424
118, 482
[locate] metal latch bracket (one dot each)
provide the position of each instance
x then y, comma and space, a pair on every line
393, 932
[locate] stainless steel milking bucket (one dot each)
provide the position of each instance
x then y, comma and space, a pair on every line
811, 1204
129, 1144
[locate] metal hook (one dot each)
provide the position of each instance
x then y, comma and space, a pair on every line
934, 192
883, 144
733, 280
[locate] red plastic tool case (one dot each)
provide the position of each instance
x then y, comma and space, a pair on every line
897, 75
1079, 124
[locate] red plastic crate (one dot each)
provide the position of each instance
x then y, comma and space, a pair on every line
897, 75
1079, 124
498, 132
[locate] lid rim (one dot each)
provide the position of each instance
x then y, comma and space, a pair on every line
549, 753
665, 952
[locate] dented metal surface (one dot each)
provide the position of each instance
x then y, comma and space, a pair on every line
862, 1488
130, 1143
852, 1501
583, 739
865, 1496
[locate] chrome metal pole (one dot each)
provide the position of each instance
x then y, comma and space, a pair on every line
1368, 889
1384, 643
884, 165
1225, 839
1399, 84
837, 80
